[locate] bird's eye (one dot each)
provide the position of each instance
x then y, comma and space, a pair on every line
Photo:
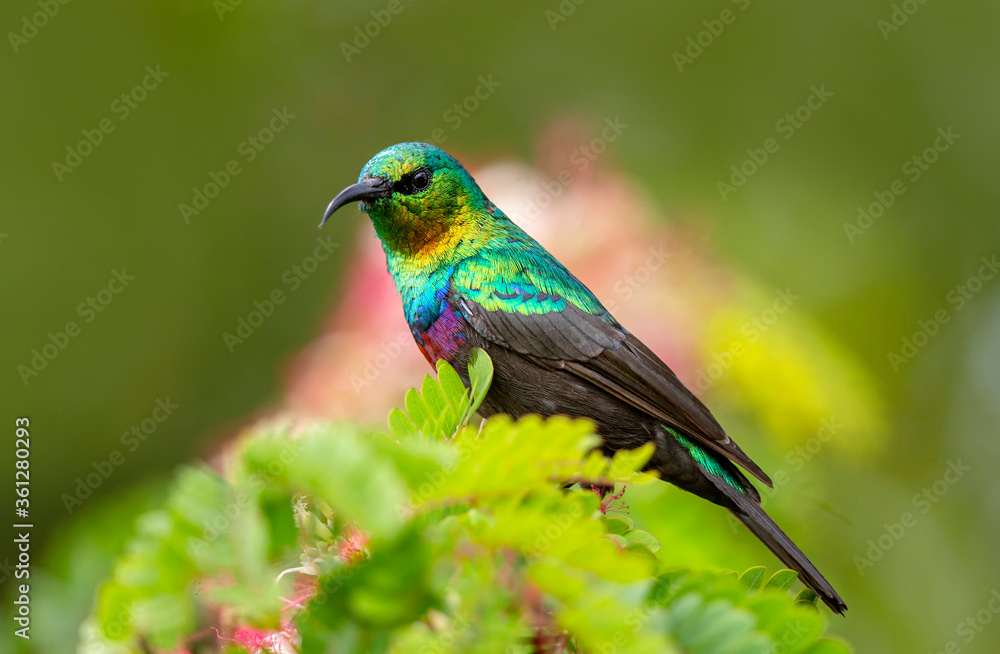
413, 182
421, 180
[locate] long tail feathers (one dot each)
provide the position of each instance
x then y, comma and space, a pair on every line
744, 503
769, 533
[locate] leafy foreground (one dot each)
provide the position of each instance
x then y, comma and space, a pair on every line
438, 537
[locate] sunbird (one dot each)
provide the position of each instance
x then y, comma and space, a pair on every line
470, 278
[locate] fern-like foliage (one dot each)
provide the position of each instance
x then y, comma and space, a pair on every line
439, 536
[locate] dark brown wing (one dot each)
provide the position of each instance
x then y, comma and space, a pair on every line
605, 354
570, 334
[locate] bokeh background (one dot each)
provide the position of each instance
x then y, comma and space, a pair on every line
892, 335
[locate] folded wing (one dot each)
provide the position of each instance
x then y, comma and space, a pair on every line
556, 333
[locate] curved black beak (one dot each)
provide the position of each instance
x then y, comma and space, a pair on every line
370, 188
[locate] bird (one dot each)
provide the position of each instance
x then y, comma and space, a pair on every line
469, 278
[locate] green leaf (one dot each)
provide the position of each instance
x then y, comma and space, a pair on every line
618, 524
401, 426
437, 404
618, 540
715, 627
638, 536
440, 407
166, 618
345, 471
454, 390
394, 586
781, 580
806, 597
419, 412
641, 549
480, 376
443, 537
753, 577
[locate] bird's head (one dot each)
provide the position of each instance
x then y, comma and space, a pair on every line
417, 196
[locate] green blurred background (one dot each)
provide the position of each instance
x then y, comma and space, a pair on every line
229, 66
